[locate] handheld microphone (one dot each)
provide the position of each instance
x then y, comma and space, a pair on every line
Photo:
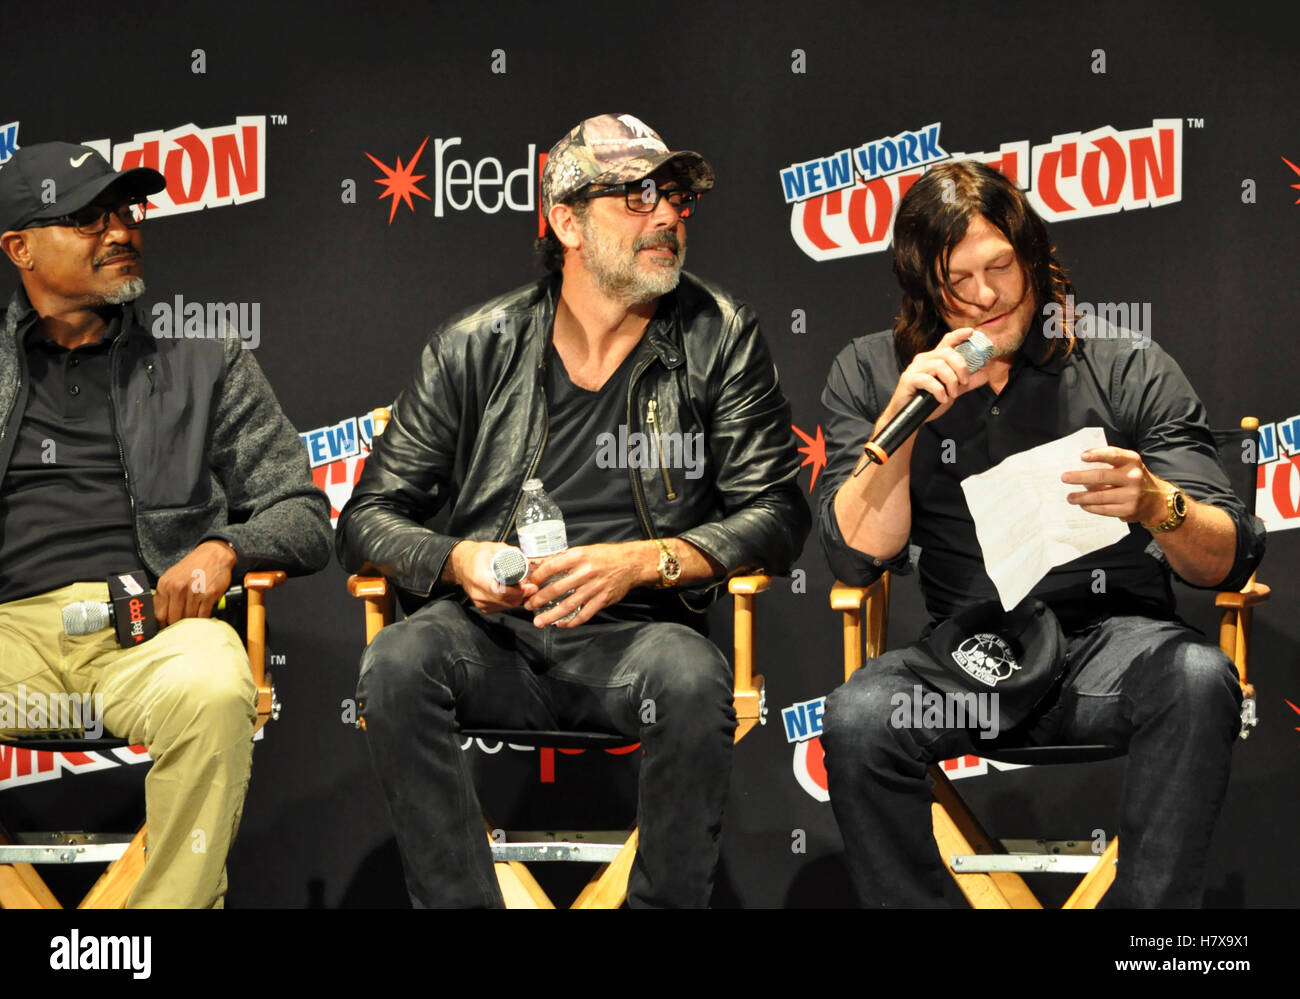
509, 566
85, 617
976, 352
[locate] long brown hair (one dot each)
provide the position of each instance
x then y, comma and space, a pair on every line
932, 219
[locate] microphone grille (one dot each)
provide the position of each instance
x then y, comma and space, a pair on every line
509, 566
977, 351
85, 618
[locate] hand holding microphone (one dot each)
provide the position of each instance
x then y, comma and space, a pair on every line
491, 574
933, 380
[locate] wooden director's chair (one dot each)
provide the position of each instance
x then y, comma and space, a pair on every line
21, 887
988, 870
613, 851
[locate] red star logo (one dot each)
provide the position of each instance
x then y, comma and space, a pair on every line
1297, 187
400, 182
1293, 708
815, 449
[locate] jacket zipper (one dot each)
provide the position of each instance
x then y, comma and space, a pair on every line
637, 493
117, 439
663, 464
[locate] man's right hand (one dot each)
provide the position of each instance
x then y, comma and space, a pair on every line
470, 567
941, 372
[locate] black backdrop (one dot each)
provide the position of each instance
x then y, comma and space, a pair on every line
347, 295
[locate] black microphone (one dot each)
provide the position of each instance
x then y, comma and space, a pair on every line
976, 352
85, 617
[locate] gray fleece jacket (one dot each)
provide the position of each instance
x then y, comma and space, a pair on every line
206, 449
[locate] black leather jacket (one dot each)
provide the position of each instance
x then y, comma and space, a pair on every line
472, 424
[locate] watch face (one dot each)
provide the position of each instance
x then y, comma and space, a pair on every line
1180, 503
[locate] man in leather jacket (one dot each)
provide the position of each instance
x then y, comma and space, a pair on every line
647, 402
121, 452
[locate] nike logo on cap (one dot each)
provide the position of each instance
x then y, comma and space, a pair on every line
80, 159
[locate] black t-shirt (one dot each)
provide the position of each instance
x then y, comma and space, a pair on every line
65, 514
594, 494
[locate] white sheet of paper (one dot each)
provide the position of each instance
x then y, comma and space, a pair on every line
1023, 521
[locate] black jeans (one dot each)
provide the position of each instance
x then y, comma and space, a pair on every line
661, 683
1156, 687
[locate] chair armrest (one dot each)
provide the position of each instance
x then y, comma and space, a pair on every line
258, 581
1253, 594
379, 602
845, 597
748, 584
255, 586
751, 705
852, 601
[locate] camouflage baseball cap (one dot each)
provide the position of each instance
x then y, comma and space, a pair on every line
614, 149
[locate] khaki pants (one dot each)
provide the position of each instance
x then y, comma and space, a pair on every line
187, 695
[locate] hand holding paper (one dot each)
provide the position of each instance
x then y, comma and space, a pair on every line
1025, 524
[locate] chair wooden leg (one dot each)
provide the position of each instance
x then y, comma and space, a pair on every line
959, 833
114, 885
16, 893
608, 889
519, 888
1097, 881
21, 887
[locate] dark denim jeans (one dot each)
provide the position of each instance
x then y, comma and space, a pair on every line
1156, 687
448, 666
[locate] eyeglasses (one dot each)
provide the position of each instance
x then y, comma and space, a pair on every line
93, 219
643, 197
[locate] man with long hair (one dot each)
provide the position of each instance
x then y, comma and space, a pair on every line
971, 255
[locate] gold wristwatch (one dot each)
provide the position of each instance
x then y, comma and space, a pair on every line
1176, 502
670, 570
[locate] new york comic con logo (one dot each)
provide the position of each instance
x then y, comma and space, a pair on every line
844, 204
803, 729
204, 167
1277, 480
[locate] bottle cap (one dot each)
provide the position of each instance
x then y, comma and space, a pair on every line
531, 484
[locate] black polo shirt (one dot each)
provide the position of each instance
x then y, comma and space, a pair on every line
1137, 395
65, 514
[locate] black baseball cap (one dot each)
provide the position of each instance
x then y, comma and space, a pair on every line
53, 179
1018, 654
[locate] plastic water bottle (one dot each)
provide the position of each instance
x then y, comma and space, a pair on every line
541, 530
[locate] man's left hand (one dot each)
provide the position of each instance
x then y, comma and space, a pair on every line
1126, 489
194, 585
599, 575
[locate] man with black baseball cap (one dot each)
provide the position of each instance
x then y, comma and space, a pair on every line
617, 344
118, 453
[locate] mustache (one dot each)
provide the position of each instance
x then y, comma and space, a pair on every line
116, 254
668, 239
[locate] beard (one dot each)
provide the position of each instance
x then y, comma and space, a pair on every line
127, 291
621, 277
